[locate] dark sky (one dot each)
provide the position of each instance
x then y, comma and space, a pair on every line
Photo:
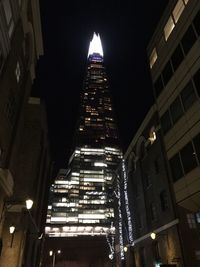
125, 28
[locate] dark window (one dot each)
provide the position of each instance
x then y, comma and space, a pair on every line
196, 23
153, 211
176, 110
177, 57
167, 73
147, 180
188, 39
142, 256
176, 167
157, 165
164, 200
155, 250
188, 158
196, 142
158, 86
188, 95
196, 79
165, 122
198, 217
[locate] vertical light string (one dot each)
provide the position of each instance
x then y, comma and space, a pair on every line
128, 213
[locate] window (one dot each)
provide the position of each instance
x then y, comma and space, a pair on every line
188, 96
176, 168
158, 86
198, 217
142, 256
153, 212
196, 79
196, 142
155, 250
147, 180
164, 200
169, 27
196, 23
179, 7
18, 72
157, 165
176, 110
188, 39
9, 17
153, 57
191, 221
177, 57
167, 73
188, 158
165, 122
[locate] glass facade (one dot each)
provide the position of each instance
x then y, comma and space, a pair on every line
81, 199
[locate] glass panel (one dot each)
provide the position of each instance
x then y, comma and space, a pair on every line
179, 7
169, 27
177, 57
176, 110
196, 23
158, 85
196, 79
188, 96
188, 39
167, 73
188, 158
196, 142
164, 200
176, 168
165, 122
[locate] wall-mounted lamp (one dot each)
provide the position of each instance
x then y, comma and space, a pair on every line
12, 232
29, 204
153, 235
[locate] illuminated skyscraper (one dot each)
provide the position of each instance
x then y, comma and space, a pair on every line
82, 196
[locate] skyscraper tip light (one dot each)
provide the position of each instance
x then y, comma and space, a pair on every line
95, 45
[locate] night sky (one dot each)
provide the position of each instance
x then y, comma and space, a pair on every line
125, 28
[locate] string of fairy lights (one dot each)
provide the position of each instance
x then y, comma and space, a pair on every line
128, 213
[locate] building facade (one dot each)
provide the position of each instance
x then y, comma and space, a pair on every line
151, 201
82, 202
174, 54
24, 154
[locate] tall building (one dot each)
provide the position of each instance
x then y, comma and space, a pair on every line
82, 196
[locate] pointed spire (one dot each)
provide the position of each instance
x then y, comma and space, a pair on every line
95, 45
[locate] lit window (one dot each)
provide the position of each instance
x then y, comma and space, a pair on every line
191, 221
169, 27
179, 7
153, 57
8, 15
18, 72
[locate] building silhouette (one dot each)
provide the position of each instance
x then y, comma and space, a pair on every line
24, 146
81, 198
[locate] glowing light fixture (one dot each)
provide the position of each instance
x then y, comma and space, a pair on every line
153, 235
95, 45
29, 204
50, 253
12, 229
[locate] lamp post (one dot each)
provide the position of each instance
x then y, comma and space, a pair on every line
52, 254
12, 232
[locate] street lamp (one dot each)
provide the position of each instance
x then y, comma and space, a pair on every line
53, 254
153, 235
